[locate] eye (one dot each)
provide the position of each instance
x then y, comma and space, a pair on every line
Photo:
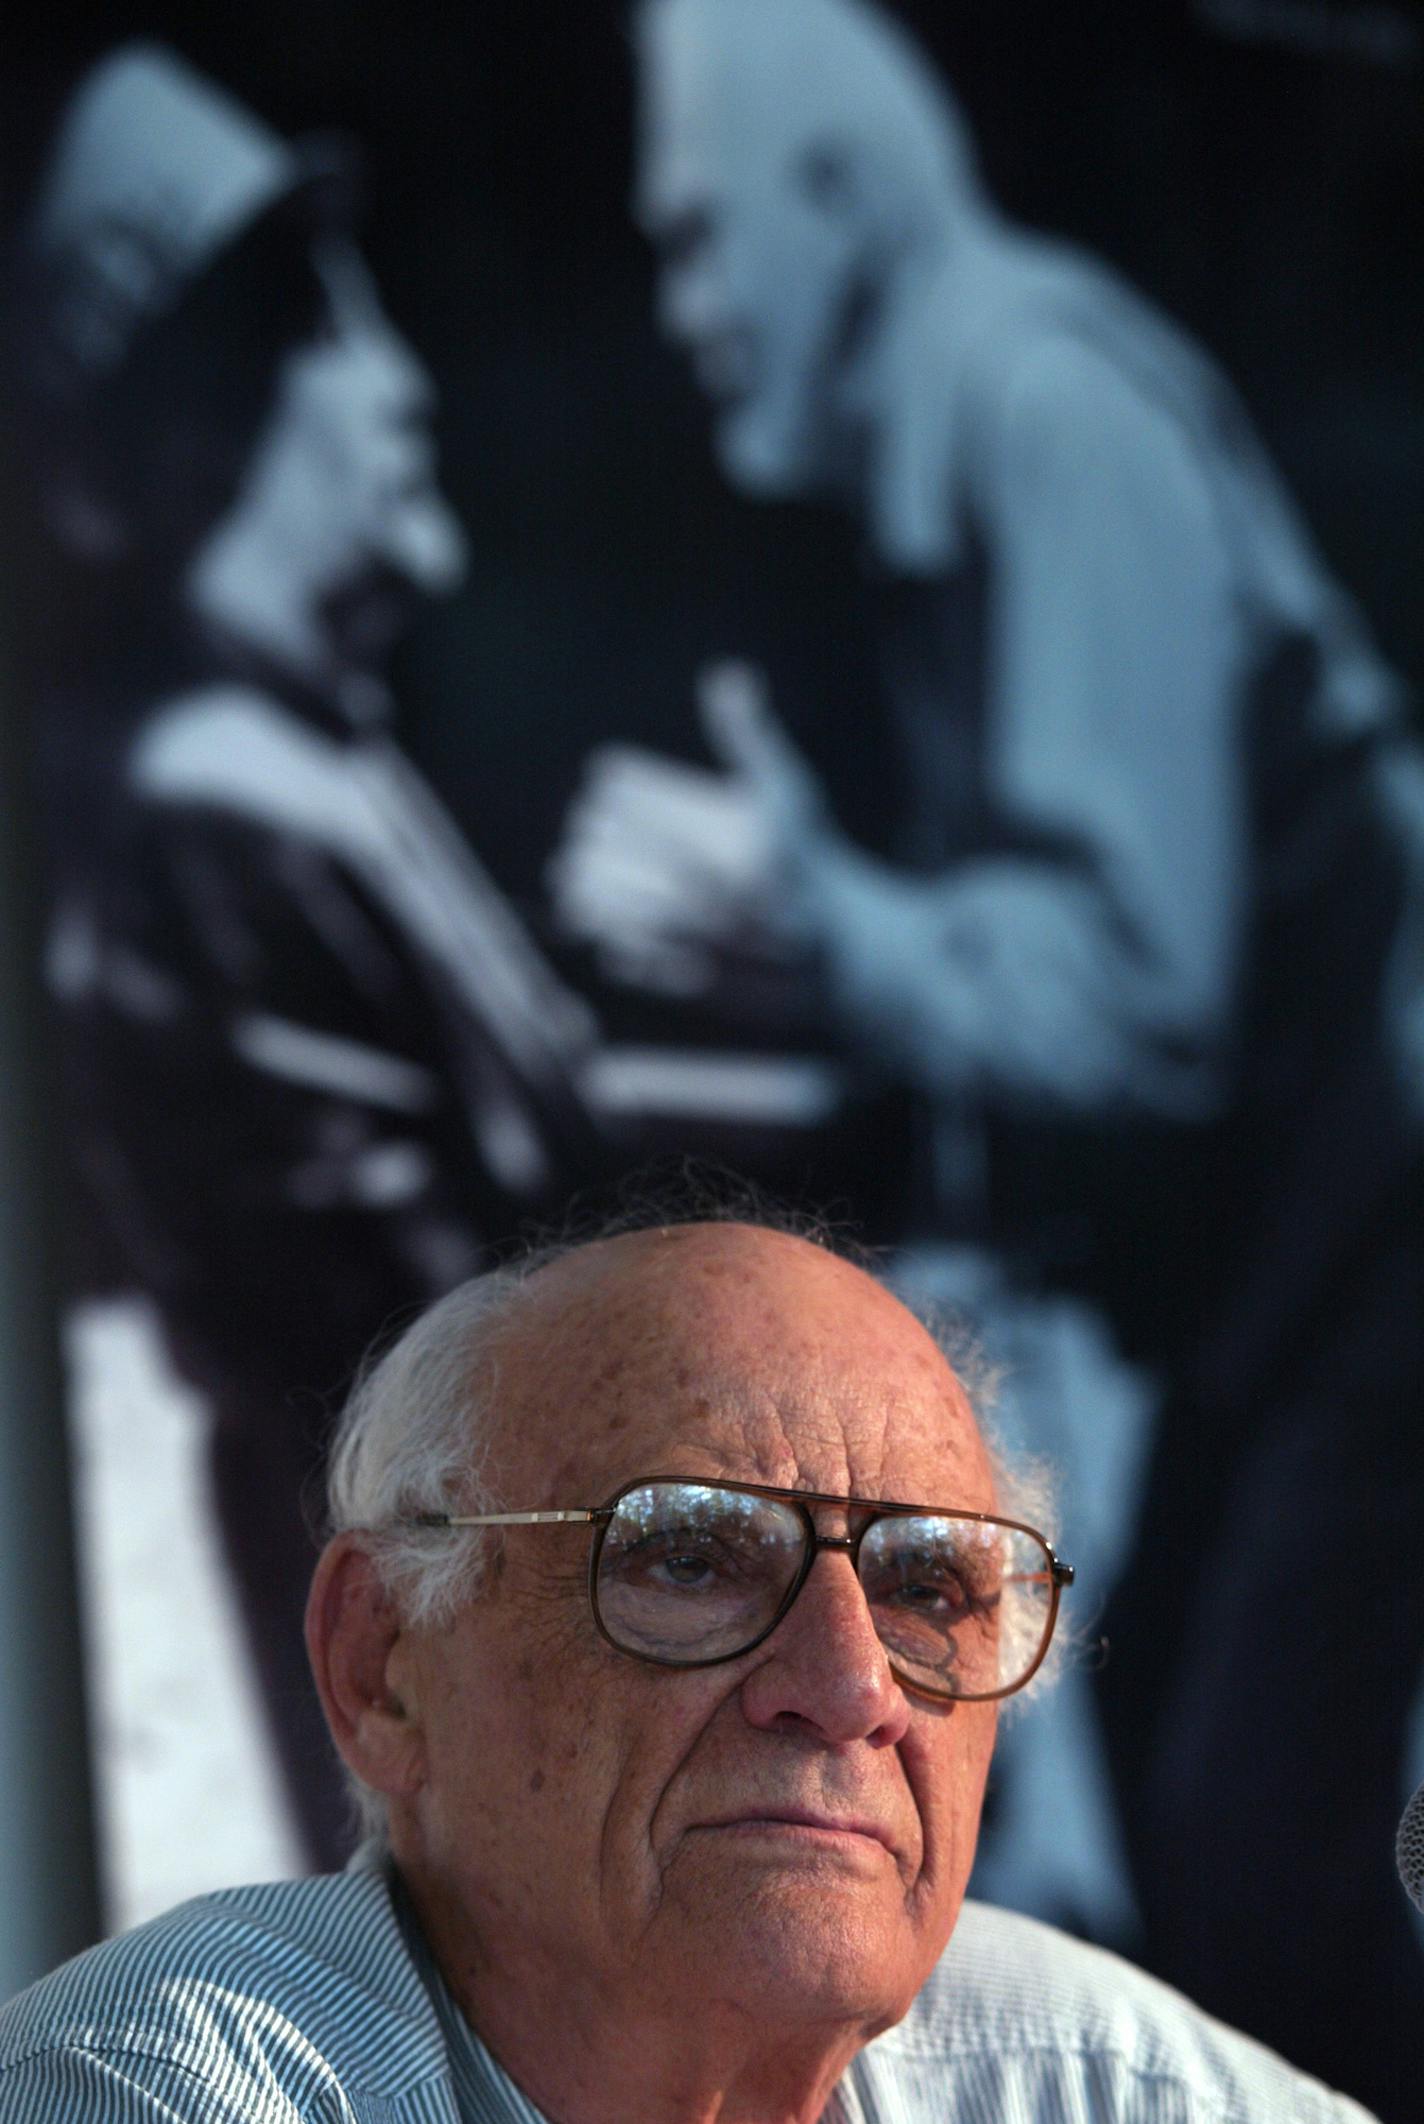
682, 1558
683, 238
929, 1589
684, 1569
924, 1584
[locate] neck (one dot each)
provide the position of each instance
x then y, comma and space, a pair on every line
899, 397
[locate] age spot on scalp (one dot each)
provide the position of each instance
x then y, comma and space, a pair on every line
525, 1670
536, 1782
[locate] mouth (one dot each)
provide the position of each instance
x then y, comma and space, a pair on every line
804, 1825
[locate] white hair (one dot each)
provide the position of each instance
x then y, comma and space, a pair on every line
413, 1438
415, 1434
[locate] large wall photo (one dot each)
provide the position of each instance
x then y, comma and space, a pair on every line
821, 586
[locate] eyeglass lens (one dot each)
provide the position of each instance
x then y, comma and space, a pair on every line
689, 1573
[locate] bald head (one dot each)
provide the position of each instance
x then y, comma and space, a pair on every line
508, 1359
710, 1336
753, 83
796, 159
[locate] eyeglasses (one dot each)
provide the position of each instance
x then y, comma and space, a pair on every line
689, 1574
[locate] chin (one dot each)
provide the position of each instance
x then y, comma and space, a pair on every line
808, 1951
822, 1972
368, 615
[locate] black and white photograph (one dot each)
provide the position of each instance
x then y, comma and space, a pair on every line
797, 615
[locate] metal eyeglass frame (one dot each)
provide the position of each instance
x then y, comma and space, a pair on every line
600, 1517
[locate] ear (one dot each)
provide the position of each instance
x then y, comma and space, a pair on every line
353, 1636
830, 172
858, 190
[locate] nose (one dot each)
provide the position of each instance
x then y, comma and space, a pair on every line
823, 1669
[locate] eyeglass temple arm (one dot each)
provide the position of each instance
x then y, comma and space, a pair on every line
499, 1519
1058, 1574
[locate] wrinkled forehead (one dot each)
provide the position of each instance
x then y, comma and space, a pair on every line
728, 1349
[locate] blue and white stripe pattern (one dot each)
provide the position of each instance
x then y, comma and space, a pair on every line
310, 2002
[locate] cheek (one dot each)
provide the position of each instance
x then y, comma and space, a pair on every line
561, 1754
516, 1794
948, 1767
342, 476
534, 1719
530, 1734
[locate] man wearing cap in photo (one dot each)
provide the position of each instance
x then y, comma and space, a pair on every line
314, 1062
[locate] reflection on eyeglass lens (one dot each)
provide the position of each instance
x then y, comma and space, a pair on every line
692, 1572
688, 1571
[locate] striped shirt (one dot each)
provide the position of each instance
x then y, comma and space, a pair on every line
317, 2002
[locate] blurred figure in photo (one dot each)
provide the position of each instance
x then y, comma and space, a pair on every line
314, 1063
1144, 956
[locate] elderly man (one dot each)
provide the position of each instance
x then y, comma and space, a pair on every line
672, 1599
